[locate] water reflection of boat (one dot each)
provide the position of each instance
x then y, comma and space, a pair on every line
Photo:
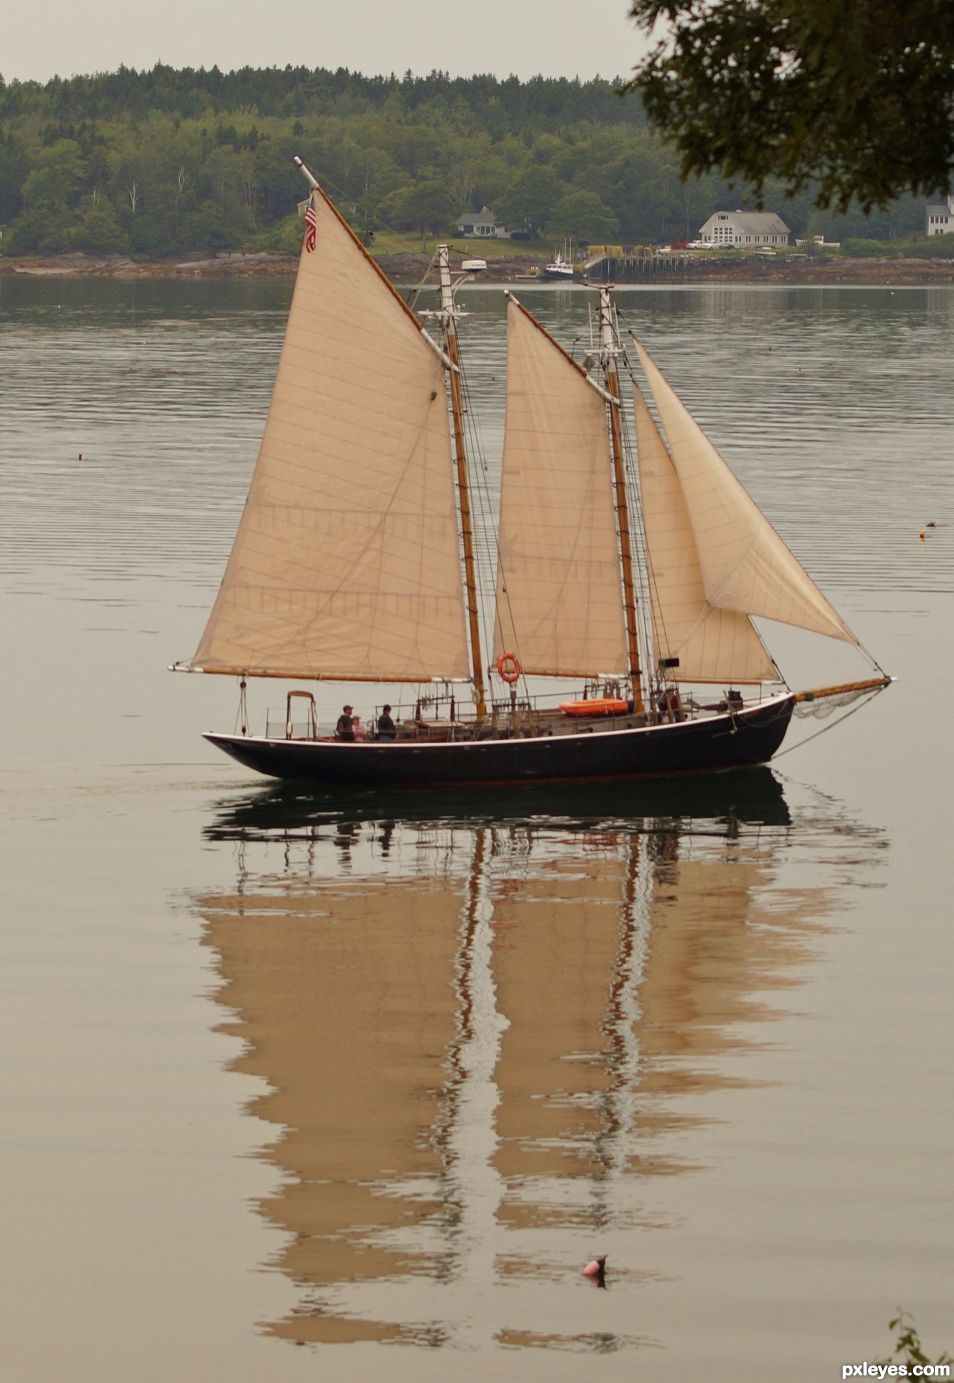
752, 795
475, 1046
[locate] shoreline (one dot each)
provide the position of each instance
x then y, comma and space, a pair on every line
404, 268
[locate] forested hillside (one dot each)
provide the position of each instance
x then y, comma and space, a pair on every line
167, 161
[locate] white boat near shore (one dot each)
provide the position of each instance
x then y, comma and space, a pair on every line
561, 265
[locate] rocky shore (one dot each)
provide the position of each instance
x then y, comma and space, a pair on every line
408, 268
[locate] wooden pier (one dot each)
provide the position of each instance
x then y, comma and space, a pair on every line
637, 265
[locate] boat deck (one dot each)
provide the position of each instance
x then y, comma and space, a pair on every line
525, 723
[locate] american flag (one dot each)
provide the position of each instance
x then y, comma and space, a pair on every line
311, 227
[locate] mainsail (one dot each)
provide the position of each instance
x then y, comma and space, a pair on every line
346, 562
711, 645
745, 565
559, 599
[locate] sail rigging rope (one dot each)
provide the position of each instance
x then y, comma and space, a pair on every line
862, 700
644, 574
484, 528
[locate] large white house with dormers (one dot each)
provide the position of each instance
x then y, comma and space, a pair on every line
745, 229
939, 217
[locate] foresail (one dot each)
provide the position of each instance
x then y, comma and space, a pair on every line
745, 565
346, 564
711, 645
559, 600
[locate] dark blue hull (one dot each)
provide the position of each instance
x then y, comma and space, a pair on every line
717, 742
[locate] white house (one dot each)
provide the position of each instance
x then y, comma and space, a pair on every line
746, 229
481, 225
939, 218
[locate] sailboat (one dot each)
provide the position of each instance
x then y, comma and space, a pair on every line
354, 560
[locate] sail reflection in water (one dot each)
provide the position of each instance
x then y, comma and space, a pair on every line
480, 1041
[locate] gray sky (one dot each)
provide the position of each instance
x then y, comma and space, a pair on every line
524, 37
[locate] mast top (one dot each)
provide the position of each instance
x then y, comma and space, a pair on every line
611, 348
448, 314
305, 171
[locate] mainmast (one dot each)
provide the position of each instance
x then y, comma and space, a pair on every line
448, 318
609, 349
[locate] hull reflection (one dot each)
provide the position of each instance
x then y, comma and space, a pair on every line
752, 796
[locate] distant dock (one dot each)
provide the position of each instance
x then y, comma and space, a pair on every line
615, 264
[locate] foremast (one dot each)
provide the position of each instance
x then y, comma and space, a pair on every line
448, 315
609, 350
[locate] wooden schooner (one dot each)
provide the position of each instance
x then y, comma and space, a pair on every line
355, 561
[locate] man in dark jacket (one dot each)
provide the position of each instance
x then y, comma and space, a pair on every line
344, 730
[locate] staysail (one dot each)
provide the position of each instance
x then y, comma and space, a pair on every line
745, 565
711, 645
346, 561
559, 600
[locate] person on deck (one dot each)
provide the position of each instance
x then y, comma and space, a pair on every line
344, 730
386, 727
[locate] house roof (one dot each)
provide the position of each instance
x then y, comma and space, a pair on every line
484, 217
756, 222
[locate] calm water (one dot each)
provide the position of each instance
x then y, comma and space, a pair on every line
287, 1082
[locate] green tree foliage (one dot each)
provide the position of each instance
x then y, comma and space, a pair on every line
529, 198
58, 173
909, 1352
856, 98
166, 161
426, 206
13, 171
583, 216
97, 230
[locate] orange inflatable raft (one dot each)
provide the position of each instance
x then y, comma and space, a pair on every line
596, 706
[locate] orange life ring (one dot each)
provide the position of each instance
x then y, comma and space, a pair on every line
508, 665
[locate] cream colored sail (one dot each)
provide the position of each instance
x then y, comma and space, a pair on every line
559, 601
712, 645
345, 564
745, 565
